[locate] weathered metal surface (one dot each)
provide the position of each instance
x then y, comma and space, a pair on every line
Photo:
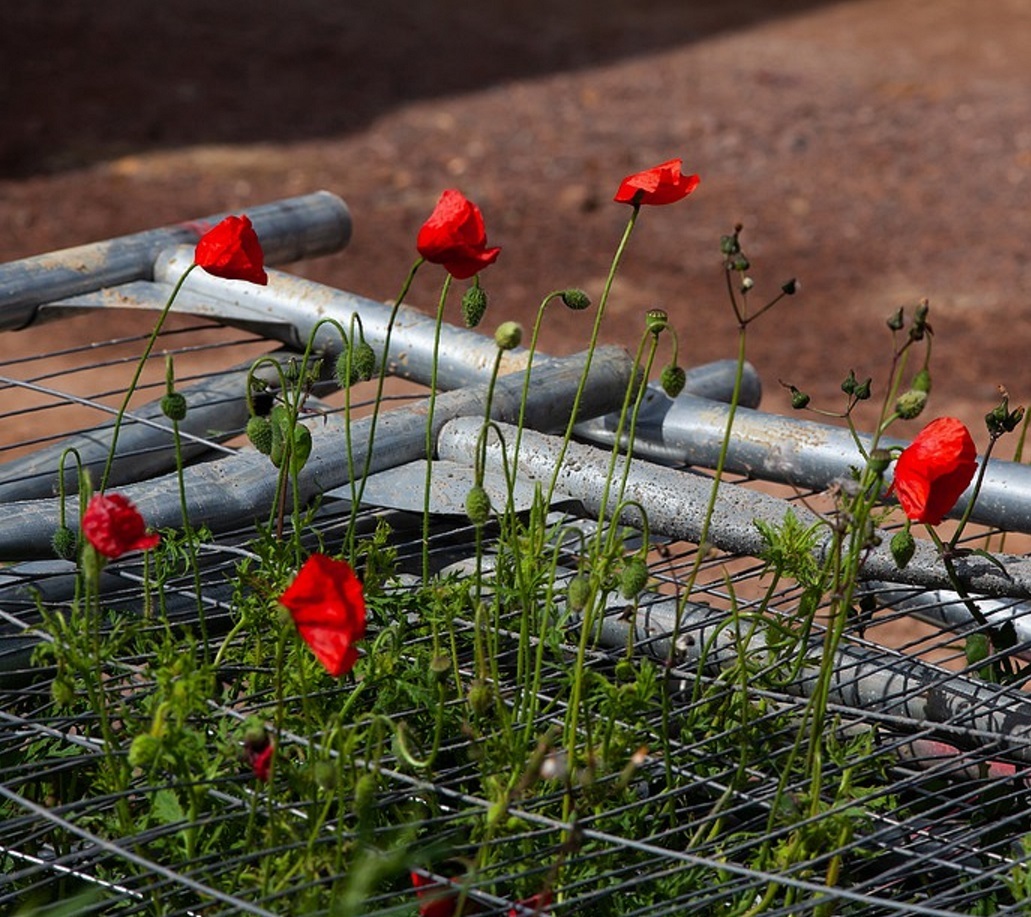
289, 229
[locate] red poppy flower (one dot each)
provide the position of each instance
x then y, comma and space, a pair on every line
231, 250
328, 607
436, 898
662, 184
455, 237
934, 470
535, 906
261, 762
114, 526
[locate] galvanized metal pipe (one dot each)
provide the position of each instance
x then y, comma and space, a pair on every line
810, 456
290, 308
290, 229
676, 502
239, 490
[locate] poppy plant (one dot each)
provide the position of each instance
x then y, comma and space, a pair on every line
661, 184
454, 236
114, 526
327, 605
934, 469
231, 250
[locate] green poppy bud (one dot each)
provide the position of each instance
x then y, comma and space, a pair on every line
910, 404
880, 459
259, 432
799, 400
344, 370
173, 406
364, 361
673, 380
903, 546
474, 304
578, 592
64, 543
634, 578
577, 300
922, 381
508, 335
477, 505
481, 697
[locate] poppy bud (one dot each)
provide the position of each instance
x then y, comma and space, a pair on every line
481, 697
634, 578
259, 432
922, 381
740, 263
625, 672
673, 380
578, 592
849, 385
474, 304
173, 406
64, 542
903, 547
791, 287
910, 404
880, 459
477, 505
365, 788
862, 390
344, 370
577, 300
729, 245
897, 319
364, 361
656, 320
799, 400
508, 335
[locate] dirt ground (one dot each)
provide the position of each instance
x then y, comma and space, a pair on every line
879, 150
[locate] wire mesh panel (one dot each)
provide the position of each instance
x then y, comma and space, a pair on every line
562, 705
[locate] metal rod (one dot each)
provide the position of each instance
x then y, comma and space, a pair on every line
240, 489
808, 455
290, 308
676, 502
290, 229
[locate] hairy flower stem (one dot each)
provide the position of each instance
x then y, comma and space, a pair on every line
381, 377
151, 341
592, 344
430, 444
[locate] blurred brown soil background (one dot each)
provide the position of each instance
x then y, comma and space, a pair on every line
878, 150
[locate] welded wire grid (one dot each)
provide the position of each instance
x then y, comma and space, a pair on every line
933, 824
